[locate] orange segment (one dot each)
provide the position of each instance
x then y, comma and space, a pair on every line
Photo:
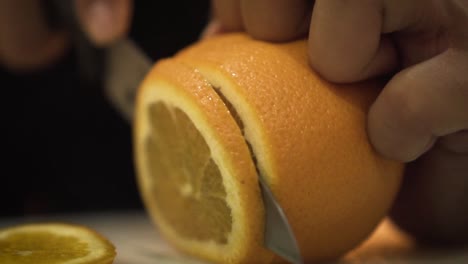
186, 176
258, 107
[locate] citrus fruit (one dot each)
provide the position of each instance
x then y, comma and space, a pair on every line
54, 243
220, 114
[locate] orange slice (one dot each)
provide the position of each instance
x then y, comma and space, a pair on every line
229, 109
54, 243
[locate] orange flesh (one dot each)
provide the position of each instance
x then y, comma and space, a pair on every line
40, 248
185, 176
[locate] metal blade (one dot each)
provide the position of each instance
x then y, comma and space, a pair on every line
126, 67
279, 236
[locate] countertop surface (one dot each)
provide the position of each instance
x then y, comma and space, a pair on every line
137, 241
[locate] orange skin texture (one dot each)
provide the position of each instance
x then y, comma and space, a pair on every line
309, 137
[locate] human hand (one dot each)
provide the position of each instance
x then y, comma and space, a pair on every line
26, 41
420, 117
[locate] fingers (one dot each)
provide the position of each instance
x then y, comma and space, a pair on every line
227, 14
420, 104
345, 43
271, 20
276, 20
26, 41
212, 29
456, 143
433, 199
104, 21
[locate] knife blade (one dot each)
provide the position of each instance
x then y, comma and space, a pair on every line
127, 66
278, 235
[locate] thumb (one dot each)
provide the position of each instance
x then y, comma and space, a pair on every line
420, 104
104, 21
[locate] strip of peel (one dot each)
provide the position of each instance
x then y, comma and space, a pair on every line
278, 234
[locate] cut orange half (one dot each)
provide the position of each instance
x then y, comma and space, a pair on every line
229, 109
54, 243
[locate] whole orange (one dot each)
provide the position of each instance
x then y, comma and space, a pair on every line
230, 109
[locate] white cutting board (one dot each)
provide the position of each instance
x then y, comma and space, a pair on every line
138, 242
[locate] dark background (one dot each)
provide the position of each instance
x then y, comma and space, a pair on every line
64, 147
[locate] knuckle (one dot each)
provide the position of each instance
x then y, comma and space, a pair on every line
399, 126
332, 70
333, 65
456, 143
406, 109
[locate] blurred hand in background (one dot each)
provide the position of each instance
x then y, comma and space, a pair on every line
27, 41
64, 138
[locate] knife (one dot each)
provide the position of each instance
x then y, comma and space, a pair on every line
125, 67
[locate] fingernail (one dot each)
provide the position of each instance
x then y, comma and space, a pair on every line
212, 29
430, 143
101, 21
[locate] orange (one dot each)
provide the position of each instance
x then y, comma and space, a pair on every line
229, 109
54, 243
